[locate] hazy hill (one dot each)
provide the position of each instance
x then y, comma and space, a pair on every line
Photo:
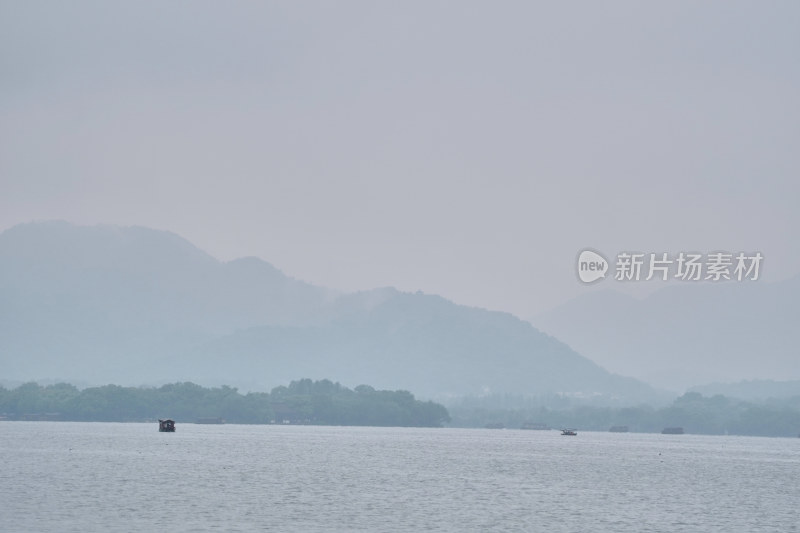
688, 334
756, 389
134, 305
89, 302
418, 342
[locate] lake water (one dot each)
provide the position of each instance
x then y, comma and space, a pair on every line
60, 476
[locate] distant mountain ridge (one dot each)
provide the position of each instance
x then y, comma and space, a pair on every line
92, 301
418, 342
688, 334
134, 305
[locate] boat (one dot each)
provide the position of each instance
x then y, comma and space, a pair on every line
672, 431
166, 426
618, 429
570, 432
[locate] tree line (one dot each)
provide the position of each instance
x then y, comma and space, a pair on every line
326, 403
302, 402
698, 414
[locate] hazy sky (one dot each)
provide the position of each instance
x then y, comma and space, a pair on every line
469, 149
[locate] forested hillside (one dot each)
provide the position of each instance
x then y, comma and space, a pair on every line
302, 402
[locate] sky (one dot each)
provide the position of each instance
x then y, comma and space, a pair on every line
467, 149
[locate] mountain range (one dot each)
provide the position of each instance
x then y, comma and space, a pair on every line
132, 305
687, 333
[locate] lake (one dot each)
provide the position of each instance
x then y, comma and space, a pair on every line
62, 476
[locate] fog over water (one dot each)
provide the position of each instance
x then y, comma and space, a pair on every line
396, 195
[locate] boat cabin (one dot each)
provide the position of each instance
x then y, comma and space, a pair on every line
166, 425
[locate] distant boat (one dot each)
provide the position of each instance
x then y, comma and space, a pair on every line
672, 431
618, 429
167, 425
495, 425
570, 432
